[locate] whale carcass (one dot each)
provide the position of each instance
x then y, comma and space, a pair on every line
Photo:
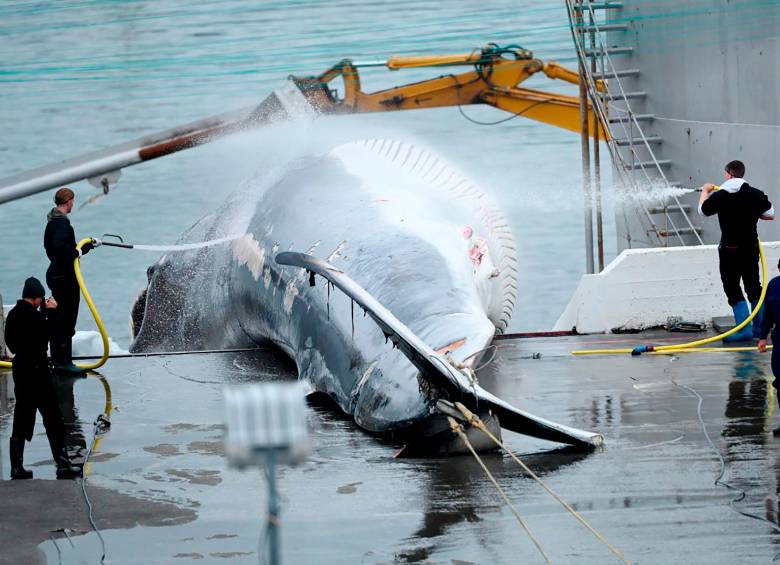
379, 269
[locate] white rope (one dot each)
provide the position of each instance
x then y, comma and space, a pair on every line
474, 420
457, 429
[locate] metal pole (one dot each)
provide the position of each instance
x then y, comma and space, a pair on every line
585, 143
273, 512
596, 157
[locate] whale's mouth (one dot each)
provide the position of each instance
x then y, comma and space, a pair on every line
137, 312
433, 437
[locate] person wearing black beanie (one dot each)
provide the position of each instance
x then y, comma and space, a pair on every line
33, 289
27, 332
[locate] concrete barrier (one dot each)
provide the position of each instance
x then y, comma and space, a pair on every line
642, 288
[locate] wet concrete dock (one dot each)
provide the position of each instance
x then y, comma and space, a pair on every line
162, 492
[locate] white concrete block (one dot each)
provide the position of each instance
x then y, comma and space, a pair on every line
642, 288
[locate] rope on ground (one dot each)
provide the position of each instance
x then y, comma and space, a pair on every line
475, 421
457, 429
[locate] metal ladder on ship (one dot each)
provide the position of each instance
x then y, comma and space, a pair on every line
629, 147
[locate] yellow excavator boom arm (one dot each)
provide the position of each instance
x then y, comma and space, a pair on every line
494, 81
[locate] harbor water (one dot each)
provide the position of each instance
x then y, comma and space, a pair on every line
85, 75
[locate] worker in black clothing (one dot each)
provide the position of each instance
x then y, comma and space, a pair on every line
771, 323
739, 206
27, 336
60, 243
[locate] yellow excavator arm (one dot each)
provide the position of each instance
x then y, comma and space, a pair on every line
494, 81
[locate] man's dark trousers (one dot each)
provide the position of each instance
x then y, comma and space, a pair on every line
740, 263
35, 391
776, 364
65, 290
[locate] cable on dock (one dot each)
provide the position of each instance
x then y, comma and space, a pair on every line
99, 427
742, 494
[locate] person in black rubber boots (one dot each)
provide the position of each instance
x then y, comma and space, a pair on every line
60, 243
27, 331
739, 206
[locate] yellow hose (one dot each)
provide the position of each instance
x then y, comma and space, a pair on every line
99, 322
103, 335
684, 347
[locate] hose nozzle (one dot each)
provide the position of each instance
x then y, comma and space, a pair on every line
120, 242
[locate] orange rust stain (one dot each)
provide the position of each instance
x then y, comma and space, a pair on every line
450, 347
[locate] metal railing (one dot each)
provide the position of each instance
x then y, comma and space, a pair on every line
632, 169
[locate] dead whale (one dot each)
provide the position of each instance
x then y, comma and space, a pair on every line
417, 272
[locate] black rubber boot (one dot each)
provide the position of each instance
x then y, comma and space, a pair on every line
65, 470
62, 357
18, 472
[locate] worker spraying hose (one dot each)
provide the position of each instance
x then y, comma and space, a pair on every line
92, 243
60, 243
739, 207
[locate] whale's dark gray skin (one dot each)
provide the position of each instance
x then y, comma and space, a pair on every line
419, 241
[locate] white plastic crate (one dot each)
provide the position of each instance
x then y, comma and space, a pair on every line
265, 419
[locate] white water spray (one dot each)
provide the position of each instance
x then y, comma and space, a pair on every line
650, 194
186, 246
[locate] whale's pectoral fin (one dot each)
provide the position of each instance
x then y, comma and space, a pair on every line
434, 367
522, 422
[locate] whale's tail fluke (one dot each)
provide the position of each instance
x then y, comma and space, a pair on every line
435, 368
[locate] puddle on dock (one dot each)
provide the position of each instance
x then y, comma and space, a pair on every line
162, 491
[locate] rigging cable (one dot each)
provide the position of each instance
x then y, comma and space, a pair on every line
457, 429
475, 421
